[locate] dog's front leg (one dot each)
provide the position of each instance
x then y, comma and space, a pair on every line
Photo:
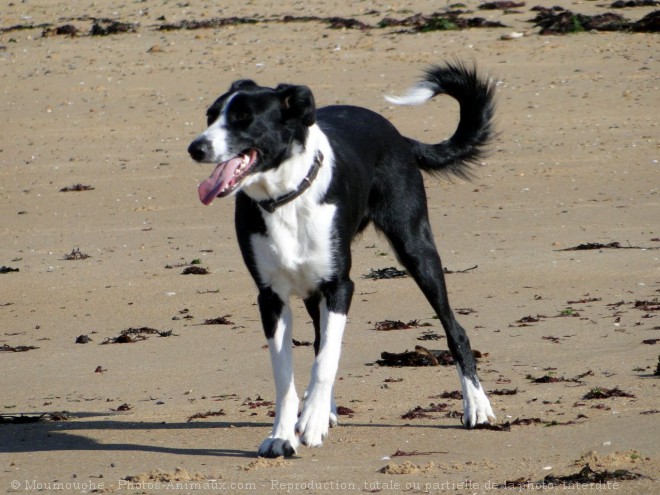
317, 414
277, 321
315, 418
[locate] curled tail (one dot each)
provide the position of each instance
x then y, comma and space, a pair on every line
475, 95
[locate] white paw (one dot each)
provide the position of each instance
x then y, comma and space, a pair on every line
278, 447
314, 421
334, 417
481, 414
476, 406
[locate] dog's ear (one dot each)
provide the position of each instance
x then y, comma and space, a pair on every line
297, 102
242, 83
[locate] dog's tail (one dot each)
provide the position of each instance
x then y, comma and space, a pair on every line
475, 95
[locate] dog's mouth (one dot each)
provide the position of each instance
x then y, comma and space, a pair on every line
226, 176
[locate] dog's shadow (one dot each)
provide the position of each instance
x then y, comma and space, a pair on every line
56, 436
46, 436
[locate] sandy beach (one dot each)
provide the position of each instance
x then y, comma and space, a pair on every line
121, 374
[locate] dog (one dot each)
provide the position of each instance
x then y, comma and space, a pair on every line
306, 181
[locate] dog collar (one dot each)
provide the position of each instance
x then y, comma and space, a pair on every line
270, 205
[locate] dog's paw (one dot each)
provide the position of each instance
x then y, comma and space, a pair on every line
313, 423
277, 447
477, 409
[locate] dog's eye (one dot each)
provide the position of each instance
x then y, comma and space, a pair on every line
241, 117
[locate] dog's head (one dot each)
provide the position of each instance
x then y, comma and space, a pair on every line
251, 129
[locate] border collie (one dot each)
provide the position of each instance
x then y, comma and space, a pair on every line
306, 180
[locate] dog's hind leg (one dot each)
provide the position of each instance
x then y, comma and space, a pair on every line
277, 322
410, 234
315, 418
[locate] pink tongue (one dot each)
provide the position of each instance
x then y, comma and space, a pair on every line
219, 180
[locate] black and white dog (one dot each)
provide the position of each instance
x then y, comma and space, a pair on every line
308, 180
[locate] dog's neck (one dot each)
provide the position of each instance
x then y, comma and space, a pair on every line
270, 205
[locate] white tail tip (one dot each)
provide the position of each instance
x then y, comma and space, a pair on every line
417, 95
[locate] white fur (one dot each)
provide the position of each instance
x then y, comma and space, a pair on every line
217, 135
416, 95
288, 175
286, 398
296, 252
476, 406
315, 419
334, 415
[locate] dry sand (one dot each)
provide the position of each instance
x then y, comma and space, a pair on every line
576, 162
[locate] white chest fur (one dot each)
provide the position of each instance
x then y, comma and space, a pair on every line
296, 252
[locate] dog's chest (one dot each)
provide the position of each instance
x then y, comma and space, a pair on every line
296, 252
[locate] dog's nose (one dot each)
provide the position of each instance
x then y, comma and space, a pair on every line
198, 149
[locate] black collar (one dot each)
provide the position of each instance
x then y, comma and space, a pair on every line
270, 205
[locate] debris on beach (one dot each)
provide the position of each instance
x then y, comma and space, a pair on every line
195, 270
590, 246
557, 20
18, 348
421, 356
385, 273
77, 188
106, 27
587, 476
221, 320
430, 335
76, 254
606, 393
205, 415
131, 335
422, 412
403, 453
387, 325
551, 378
